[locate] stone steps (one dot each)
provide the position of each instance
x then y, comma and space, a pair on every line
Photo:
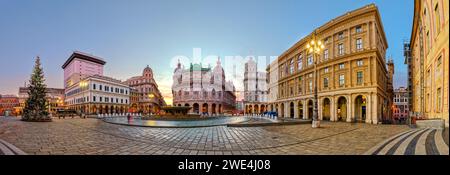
9, 149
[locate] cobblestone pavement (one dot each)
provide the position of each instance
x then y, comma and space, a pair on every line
425, 141
92, 136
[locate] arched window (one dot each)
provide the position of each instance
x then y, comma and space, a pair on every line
291, 66
300, 62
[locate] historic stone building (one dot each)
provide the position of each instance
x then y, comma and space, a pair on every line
98, 94
204, 89
255, 89
55, 98
352, 71
401, 103
272, 82
149, 99
9, 105
430, 59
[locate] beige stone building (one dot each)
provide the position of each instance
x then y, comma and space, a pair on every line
352, 73
430, 63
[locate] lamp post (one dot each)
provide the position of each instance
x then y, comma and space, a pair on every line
314, 47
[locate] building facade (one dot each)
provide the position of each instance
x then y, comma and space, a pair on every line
81, 65
255, 88
352, 73
408, 62
88, 91
149, 99
430, 55
272, 82
401, 105
204, 89
9, 105
54, 96
98, 95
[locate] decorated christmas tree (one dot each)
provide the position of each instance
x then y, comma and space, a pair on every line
36, 104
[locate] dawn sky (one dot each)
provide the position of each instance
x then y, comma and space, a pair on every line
132, 34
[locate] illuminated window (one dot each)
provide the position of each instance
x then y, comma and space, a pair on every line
310, 59
325, 54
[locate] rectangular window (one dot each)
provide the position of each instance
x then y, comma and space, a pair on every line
94, 98
300, 62
341, 66
300, 84
291, 66
359, 45
341, 49
326, 70
341, 80
439, 100
310, 59
325, 82
341, 35
282, 70
310, 85
94, 86
100, 87
358, 29
359, 63
359, 77
100, 99
437, 18
325, 54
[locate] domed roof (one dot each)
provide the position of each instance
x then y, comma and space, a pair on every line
147, 71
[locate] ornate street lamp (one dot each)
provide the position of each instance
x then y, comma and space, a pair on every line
314, 47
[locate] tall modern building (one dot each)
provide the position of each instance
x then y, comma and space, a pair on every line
429, 44
205, 89
255, 88
150, 99
81, 65
351, 69
88, 91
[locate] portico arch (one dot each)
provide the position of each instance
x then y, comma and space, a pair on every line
341, 109
326, 109
360, 108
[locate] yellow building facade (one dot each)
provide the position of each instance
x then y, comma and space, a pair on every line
430, 59
351, 70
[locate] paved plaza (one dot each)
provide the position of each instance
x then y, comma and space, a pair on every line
93, 136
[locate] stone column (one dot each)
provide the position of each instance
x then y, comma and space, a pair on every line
305, 110
320, 108
296, 115
332, 115
375, 109
210, 110
349, 108
287, 110
369, 108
